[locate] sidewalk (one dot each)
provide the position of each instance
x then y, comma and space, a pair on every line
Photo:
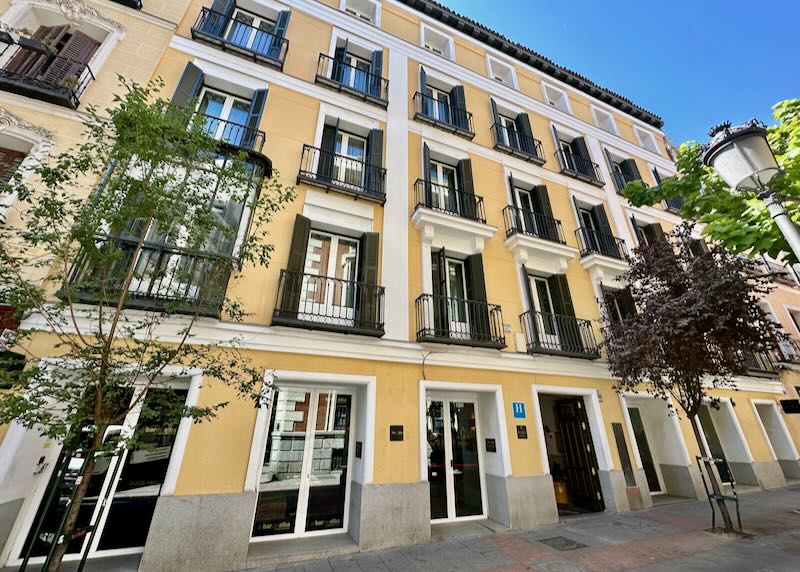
668, 537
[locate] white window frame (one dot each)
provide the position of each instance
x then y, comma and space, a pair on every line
492, 63
375, 19
230, 99
551, 93
425, 30
601, 115
258, 19
643, 136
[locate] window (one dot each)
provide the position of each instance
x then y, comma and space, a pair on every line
444, 187
226, 115
604, 120
647, 140
594, 232
573, 154
437, 42
366, 10
623, 170
437, 104
555, 97
501, 72
619, 304
10, 160
250, 31
349, 146
447, 186
647, 233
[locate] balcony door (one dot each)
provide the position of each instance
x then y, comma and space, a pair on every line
528, 204
509, 132
350, 156
456, 288
444, 188
546, 324
355, 72
225, 116
304, 480
455, 464
250, 31
329, 282
437, 104
591, 232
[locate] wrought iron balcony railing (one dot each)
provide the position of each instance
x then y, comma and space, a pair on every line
790, 350
447, 200
763, 364
44, 76
516, 143
457, 321
579, 167
329, 304
345, 77
591, 241
341, 173
444, 115
166, 278
555, 334
532, 224
235, 134
237, 36
621, 181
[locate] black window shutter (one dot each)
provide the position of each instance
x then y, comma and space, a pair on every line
374, 180
467, 189
601, 220
637, 230
339, 67
290, 295
476, 292
440, 304
547, 225
614, 175
426, 175
327, 150
524, 127
569, 334
459, 107
656, 176
498, 129
189, 86
626, 304
257, 105
579, 147
630, 170
281, 24
217, 19
605, 240
367, 298
377, 73
423, 80
513, 187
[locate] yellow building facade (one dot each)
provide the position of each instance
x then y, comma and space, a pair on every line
428, 325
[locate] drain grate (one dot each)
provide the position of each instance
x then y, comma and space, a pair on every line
562, 543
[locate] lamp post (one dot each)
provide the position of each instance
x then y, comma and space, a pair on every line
743, 158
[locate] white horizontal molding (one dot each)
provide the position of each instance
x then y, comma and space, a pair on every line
538, 254
452, 232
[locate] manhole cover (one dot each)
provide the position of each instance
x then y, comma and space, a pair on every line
562, 543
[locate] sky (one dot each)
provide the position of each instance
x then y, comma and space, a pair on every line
695, 63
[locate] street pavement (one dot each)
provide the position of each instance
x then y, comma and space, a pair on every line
668, 537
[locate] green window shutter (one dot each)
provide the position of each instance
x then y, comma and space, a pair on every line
498, 129
531, 325
373, 178
367, 298
467, 188
524, 126
290, 295
601, 220
259, 101
458, 102
476, 291
376, 85
281, 24
189, 86
630, 170
327, 149
579, 146
423, 80
548, 224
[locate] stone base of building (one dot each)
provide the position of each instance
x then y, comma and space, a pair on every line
683, 481
639, 494
791, 469
614, 488
769, 475
382, 516
199, 532
9, 511
521, 502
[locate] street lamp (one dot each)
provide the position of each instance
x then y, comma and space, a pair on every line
743, 158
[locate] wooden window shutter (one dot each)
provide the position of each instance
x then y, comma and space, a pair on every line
476, 291
257, 105
72, 60
290, 299
376, 85
189, 86
467, 188
217, 19
10, 161
367, 299
374, 181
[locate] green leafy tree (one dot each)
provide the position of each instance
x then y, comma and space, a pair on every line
740, 222
175, 218
698, 324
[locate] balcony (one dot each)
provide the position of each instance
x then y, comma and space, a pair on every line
443, 115
579, 168
235, 135
621, 181
518, 144
603, 255
461, 322
554, 334
51, 78
256, 44
537, 241
451, 201
789, 350
166, 279
329, 304
135, 4
342, 174
763, 364
352, 80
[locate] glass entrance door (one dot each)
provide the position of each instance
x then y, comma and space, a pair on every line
455, 470
303, 485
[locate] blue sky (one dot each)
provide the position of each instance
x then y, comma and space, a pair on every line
693, 62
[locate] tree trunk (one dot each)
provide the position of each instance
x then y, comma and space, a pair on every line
712, 476
72, 515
